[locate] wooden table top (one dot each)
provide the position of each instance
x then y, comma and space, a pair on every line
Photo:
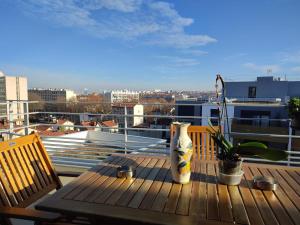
151, 196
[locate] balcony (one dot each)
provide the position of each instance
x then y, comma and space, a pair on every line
77, 147
82, 146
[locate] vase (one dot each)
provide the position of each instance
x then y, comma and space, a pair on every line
181, 151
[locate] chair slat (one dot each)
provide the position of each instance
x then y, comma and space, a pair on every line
10, 179
20, 171
35, 167
15, 175
39, 164
7, 196
29, 166
26, 171
42, 160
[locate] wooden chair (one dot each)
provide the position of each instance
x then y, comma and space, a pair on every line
26, 175
204, 146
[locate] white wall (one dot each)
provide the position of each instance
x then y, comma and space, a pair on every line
138, 110
206, 112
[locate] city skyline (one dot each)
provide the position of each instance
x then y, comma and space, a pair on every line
147, 44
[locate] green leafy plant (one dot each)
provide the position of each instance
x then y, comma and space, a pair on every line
294, 109
226, 149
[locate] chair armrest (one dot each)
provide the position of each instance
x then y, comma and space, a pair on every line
68, 174
29, 214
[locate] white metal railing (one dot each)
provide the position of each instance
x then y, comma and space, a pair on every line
76, 151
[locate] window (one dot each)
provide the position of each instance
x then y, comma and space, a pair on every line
214, 113
252, 92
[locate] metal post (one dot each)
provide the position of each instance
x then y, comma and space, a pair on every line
290, 140
125, 128
9, 109
26, 117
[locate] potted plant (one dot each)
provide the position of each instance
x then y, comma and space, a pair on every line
230, 155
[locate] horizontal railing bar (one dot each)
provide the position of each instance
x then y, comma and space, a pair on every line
124, 150
265, 135
71, 147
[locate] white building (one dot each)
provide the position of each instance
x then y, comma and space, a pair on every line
13, 88
48, 95
132, 109
119, 96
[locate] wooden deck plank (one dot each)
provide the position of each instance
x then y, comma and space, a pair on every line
171, 204
290, 192
87, 183
185, 196
250, 204
102, 183
115, 185
155, 187
128, 195
291, 182
295, 176
198, 201
262, 204
277, 208
162, 196
212, 197
284, 200
225, 205
116, 195
139, 196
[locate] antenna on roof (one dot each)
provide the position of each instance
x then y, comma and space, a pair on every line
269, 71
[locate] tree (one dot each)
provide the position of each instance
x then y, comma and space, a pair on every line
38, 104
294, 110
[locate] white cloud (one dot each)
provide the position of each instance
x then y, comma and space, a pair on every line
262, 68
296, 69
120, 5
290, 57
153, 22
176, 61
194, 52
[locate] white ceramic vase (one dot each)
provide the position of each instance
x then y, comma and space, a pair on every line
181, 151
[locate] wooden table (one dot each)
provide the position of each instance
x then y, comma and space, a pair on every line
152, 198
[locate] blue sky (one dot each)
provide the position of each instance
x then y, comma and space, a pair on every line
148, 44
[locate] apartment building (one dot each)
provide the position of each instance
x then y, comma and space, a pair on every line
13, 88
263, 89
121, 96
50, 94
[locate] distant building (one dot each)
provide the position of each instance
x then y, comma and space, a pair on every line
110, 126
13, 88
189, 108
121, 96
63, 125
266, 89
51, 95
90, 98
132, 109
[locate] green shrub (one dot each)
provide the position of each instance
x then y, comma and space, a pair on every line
294, 108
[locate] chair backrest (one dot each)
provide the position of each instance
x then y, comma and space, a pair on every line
204, 146
26, 172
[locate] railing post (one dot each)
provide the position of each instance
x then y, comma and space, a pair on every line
125, 128
290, 141
9, 110
26, 117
